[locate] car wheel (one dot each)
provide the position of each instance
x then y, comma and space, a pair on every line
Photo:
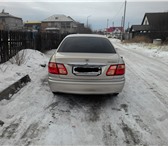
55, 93
115, 94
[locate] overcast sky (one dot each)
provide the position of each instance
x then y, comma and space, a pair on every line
97, 11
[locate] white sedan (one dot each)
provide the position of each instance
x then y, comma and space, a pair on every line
86, 64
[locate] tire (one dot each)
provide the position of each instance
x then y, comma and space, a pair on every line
55, 93
115, 94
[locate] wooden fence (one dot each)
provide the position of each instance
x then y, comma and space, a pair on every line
11, 42
152, 35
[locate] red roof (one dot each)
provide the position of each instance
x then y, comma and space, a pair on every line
111, 29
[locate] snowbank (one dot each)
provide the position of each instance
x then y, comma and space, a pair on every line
30, 63
159, 52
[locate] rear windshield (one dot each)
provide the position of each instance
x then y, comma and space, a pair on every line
86, 45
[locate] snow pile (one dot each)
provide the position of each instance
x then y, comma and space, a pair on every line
25, 62
159, 52
151, 49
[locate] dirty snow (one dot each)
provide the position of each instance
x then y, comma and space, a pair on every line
137, 116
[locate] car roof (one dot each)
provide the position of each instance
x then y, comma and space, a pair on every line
86, 35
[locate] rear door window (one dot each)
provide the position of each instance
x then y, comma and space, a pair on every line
86, 45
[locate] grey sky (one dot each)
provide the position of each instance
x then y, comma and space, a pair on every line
100, 11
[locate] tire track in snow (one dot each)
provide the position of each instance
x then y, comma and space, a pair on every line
131, 137
109, 135
140, 122
9, 131
86, 109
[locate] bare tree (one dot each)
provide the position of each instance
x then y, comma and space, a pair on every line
19, 58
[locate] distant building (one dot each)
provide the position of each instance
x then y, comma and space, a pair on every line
114, 31
59, 24
32, 26
10, 22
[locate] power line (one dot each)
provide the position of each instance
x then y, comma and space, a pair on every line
119, 10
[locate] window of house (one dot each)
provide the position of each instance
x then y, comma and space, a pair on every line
3, 19
63, 25
55, 24
68, 25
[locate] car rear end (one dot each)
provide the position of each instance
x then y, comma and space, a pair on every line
83, 71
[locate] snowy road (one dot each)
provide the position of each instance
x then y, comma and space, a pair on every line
137, 116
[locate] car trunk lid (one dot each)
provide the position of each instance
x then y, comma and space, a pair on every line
86, 65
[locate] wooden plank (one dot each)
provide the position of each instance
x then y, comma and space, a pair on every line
14, 88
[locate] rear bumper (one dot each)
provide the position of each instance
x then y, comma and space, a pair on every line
86, 87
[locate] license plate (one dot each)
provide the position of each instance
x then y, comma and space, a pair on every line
87, 70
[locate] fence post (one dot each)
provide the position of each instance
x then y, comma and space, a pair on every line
5, 52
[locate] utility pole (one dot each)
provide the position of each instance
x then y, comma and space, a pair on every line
123, 20
87, 21
107, 26
124, 15
107, 23
113, 24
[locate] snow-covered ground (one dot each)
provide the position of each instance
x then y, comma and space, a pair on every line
159, 52
137, 116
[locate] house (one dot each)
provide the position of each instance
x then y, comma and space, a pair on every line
139, 28
59, 24
154, 25
10, 22
114, 31
156, 21
32, 26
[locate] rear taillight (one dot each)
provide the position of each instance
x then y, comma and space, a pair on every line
57, 68
111, 70
52, 68
61, 69
116, 70
120, 69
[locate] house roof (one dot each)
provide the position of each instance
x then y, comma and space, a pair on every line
58, 18
135, 28
111, 29
157, 21
32, 22
3, 14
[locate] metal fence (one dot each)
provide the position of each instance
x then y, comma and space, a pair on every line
12, 41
